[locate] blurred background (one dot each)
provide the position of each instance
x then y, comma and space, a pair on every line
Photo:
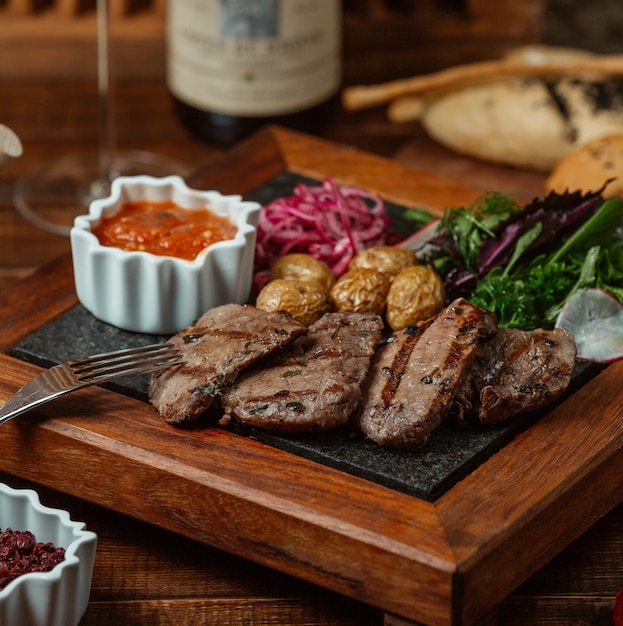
383, 39
48, 86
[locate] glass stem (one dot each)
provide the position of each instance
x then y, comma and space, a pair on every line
107, 137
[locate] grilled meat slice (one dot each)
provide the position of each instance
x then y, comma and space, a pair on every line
413, 379
517, 371
223, 341
315, 384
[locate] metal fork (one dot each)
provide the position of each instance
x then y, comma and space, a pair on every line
92, 370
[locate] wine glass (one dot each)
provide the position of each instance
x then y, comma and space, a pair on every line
51, 196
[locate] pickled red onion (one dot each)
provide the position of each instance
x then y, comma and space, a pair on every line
330, 222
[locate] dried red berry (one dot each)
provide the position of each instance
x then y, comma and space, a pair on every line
20, 553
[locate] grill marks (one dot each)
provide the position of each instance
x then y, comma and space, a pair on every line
400, 361
224, 341
268, 371
415, 375
314, 385
517, 371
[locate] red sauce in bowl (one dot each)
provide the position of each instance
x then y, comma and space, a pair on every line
163, 228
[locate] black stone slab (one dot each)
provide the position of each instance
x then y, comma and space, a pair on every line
454, 451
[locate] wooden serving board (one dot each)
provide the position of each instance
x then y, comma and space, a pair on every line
449, 561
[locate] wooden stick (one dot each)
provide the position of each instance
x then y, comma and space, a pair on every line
364, 96
407, 108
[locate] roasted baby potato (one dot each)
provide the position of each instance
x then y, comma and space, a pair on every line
300, 266
386, 259
305, 301
416, 294
362, 290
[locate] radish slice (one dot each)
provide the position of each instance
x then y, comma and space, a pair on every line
595, 318
419, 241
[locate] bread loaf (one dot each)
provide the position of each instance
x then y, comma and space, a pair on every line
529, 123
529, 109
590, 167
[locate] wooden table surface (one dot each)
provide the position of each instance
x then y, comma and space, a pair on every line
146, 575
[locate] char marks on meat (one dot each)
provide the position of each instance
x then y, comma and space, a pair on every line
315, 384
414, 377
271, 372
224, 341
517, 371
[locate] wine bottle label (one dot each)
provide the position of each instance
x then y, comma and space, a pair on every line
253, 58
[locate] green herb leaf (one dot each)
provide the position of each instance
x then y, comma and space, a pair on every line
523, 243
291, 373
420, 216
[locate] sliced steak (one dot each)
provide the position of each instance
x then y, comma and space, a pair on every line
517, 371
314, 385
223, 341
416, 373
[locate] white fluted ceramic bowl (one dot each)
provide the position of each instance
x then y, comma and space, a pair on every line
58, 597
146, 293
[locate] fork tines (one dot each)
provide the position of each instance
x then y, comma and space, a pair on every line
130, 362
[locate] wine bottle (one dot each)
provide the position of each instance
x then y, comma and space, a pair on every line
235, 65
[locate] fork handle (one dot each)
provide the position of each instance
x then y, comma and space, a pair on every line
27, 398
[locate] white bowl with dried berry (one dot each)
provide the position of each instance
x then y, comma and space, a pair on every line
46, 562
